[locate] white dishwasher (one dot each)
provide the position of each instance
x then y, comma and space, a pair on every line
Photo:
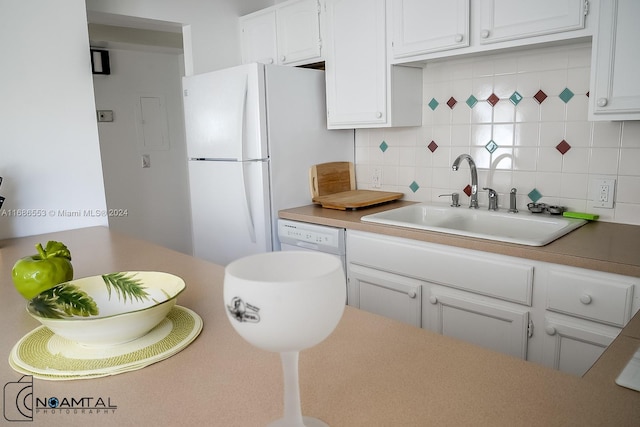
302, 236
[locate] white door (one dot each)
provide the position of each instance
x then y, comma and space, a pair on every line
229, 209
298, 31
390, 295
616, 87
502, 20
356, 63
488, 323
224, 114
423, 26
258, 36
573, 345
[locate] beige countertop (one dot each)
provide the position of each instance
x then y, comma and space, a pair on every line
371, 371
598, 245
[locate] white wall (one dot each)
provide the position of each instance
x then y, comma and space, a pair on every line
526, 135
156, 199
49, 156
212, 41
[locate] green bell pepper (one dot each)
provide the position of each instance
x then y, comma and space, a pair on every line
37, 273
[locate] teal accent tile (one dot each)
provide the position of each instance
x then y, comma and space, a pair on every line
414, 186
491, 146
384, 146
566, 95
534, 195
433, 104
515, 98
471, 101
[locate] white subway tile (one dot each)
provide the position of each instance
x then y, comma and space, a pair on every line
631, 134
627, 213
525, 158
527, 134
578, 134
629, 161
553, 109
574, 185
606, 134
528, 110
576, 160
627, 189
551, 133
549, 160
604, 161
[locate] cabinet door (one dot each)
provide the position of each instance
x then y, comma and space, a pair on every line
502, 20
356, 63
389, 295
572, 346
298, 30
423, 26
614, 72
490, 324
258, 37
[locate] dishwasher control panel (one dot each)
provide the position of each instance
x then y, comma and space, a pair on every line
311, 236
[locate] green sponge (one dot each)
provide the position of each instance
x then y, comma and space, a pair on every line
581, 215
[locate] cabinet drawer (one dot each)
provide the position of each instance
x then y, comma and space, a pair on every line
598, 297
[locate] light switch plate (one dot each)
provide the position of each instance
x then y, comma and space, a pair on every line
105, 115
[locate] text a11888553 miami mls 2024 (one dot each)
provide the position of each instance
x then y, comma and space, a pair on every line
64, 213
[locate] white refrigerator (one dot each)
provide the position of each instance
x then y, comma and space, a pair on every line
253, 132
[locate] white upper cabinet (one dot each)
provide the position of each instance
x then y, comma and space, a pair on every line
502, 20
258, 37
422, 30
298, 31
423, 26
286, 34
615, 86
362, 89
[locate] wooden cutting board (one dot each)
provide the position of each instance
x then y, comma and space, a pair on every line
331, 178
333, 185
355, 199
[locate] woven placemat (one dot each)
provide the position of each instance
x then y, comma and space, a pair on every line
45, 355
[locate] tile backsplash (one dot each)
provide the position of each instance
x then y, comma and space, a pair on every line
522, 116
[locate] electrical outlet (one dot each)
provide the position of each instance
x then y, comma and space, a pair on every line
603, 193
376, 177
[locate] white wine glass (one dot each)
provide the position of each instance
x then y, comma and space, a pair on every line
286, 302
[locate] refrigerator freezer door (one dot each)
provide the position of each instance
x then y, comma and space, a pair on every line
229, 209
224, 114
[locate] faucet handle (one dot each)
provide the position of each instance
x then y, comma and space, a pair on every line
493, 198
455, 197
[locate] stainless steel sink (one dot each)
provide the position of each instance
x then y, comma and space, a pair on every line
524, 228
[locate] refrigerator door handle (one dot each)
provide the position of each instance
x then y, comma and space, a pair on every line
251, 227
243, 120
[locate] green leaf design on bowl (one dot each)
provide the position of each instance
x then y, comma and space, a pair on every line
64, 300
67, 300
125, 286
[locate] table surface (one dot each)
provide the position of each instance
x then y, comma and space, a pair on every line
371, 371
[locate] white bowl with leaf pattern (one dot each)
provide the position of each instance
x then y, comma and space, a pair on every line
108, 309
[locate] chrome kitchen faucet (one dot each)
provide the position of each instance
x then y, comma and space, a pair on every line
473, 203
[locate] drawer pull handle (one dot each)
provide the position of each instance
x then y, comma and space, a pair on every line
485, 34
550, 330
602, 102
585, 299
412, 294
433, 299
459, 38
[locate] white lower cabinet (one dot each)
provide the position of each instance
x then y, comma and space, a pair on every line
489, 323
585, 311
387, 294
562, 317
572, 345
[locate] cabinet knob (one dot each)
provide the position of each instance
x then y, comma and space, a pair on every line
459, 38
602, 102
550, 330
270, 61
484, 34
585, 299
433, 299
412, 294
379, 115
283, 58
